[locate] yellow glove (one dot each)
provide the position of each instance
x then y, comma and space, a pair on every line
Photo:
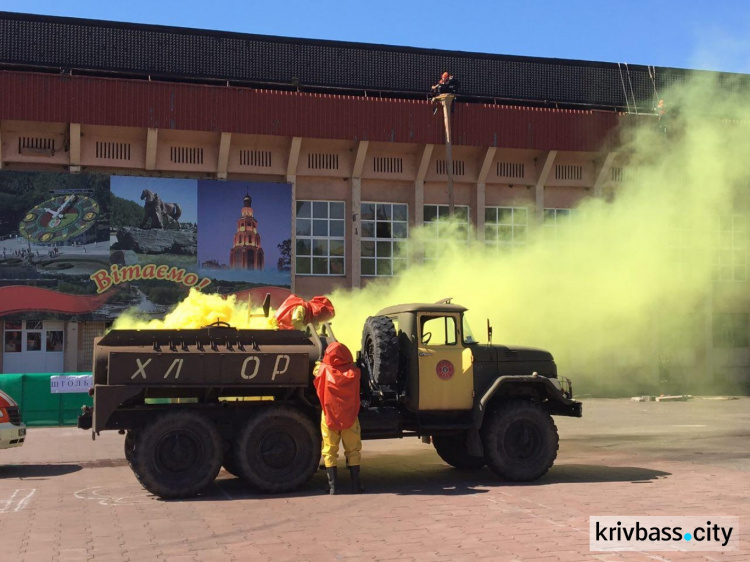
298, 318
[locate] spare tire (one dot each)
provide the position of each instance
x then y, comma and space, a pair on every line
380, 349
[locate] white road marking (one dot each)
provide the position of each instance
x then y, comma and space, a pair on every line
108, 496
18, 501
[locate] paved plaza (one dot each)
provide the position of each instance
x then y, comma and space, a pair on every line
64, 497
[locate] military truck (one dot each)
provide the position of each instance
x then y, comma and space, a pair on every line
192, 401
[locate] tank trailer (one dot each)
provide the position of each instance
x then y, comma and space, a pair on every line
192, 401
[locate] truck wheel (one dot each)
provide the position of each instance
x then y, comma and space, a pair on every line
129, 446
520, 441
380, 349
452, 449
178, 455
277, 450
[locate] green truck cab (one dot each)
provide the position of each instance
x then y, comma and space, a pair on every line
480, 403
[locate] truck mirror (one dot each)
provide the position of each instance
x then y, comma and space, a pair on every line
489, 331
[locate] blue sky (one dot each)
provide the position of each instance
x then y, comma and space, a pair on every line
684, 34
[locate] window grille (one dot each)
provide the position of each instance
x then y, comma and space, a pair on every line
321, 161
388, 165
572, 172
105, 150
511, 169
442, 167
186, 155
255, 158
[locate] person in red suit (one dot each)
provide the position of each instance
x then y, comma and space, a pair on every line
337, 383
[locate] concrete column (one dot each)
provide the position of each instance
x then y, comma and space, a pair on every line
74, 135
71, 347
355, 250
418, 202
223, 161
291, 177
601, 178
416, 250
540, 183
424, 162
484, 170
152, 137
480, 202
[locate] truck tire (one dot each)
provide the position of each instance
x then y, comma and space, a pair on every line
380, 349
520, 441
452, 449
178, 455
129, 446
277, 450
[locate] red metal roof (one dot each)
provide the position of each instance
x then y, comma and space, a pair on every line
136, 103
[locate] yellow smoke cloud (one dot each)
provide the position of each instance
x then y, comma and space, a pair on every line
624, 293
627, 289
198, 310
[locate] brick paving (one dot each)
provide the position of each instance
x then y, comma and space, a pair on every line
64, 497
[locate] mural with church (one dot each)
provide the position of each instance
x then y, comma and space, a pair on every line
92, 246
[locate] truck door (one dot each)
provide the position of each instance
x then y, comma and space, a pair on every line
446, 374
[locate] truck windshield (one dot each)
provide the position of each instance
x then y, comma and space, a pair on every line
468, 335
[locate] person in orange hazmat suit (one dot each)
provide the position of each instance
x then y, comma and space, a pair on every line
337, 383
295, 313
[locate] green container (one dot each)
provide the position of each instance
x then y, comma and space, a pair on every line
39, 407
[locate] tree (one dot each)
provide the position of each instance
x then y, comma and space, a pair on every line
124, 212
285, 261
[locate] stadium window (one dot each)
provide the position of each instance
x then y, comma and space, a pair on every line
385, 228
730, 330
320, 245
505, 227
440, 231
681, 245
557, 223
730, 248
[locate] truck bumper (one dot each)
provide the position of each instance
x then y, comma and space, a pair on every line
85, 419
576, 409
565, 407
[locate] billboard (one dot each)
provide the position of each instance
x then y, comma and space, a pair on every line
93, 246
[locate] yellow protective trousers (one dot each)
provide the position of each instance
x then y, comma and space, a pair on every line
352, 443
